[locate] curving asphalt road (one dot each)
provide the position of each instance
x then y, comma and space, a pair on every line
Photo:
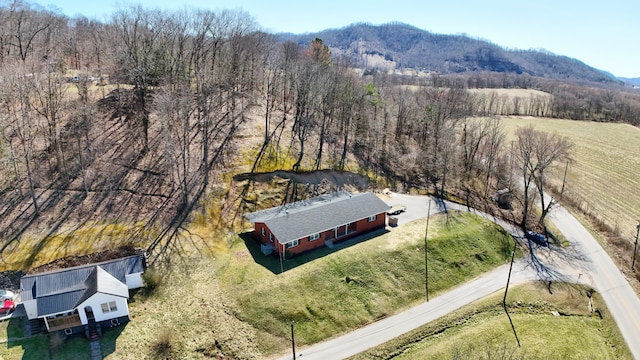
622, 301
584, 261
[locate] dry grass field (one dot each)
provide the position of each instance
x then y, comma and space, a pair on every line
513, 101
605, 177
512, 93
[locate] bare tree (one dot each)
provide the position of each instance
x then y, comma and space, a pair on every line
551, 148
441, 111
24, 27
535, 153
20, 127
48, 101
140, 59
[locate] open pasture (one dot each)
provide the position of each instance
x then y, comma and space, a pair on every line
604, 179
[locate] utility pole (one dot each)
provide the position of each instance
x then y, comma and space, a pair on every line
293, 342
504, 300
635, 246
426, 261
281, 253
566, 167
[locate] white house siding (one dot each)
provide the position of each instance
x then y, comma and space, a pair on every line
31, 307
134, 281
96, 302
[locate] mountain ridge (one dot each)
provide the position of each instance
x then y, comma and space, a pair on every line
632, 81
398, 45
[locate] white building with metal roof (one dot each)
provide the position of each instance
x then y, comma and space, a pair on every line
69, 299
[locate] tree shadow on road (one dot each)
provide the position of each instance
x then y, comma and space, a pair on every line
550, 263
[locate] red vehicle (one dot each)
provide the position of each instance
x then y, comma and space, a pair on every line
7, 306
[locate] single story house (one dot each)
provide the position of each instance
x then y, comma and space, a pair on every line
77, 298
320, 221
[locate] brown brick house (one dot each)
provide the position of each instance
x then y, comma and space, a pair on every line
309, 224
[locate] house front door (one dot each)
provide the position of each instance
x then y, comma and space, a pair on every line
88, 311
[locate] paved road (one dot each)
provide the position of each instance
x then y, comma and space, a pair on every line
622, 301
384, 330
584, 261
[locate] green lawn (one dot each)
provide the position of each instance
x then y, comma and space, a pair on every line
333, 293
482, 330
241, 306
41, 347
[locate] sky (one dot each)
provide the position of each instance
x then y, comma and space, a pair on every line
602, 34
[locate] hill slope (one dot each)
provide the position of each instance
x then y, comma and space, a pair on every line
398, 45
632, 81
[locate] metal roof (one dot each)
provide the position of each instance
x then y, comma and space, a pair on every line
63, 290
58, 303
303, 218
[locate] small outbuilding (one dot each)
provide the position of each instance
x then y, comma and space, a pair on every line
320, 221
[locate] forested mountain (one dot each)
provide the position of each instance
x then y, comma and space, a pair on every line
398, 45
632, 81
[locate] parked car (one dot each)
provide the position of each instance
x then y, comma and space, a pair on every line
8, 306
397, 209
6, 295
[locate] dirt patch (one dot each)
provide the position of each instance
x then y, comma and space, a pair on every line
71, 261
10, 280
330, 178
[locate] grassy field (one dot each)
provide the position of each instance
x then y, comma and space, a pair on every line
327, 294
604, 179
549, 326
31, 251
524, 94
245, 309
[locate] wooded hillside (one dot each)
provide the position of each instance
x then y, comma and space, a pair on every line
126, 127
410, 47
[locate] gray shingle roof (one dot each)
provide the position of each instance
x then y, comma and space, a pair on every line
303, 218
63, 290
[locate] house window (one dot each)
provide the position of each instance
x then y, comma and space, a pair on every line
271, 237
68, 331
110, 306
372, 218
314, 237
294, 243
264, 232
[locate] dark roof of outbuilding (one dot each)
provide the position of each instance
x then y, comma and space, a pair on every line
303, 218
63, 290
